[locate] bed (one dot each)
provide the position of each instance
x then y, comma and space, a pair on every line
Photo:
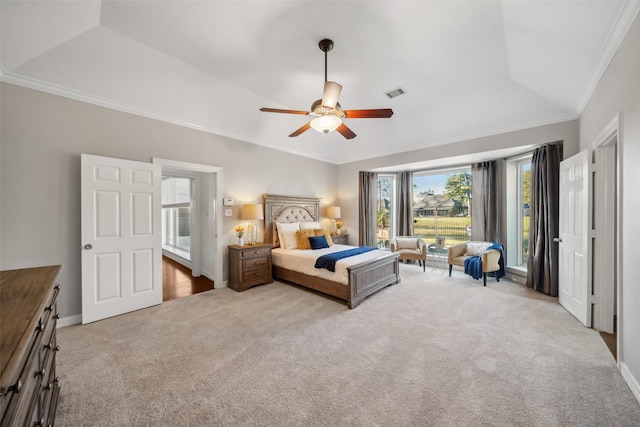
363, 275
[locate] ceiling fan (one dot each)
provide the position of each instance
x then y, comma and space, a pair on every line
326, 112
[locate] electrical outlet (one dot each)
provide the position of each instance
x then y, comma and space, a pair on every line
227, 212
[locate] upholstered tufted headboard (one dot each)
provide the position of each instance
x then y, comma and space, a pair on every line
287, 209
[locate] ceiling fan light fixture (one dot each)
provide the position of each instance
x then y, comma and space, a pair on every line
326, 124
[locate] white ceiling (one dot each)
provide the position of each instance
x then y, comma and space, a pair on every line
469, 68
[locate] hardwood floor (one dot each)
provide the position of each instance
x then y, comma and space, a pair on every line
611, 339
177, 281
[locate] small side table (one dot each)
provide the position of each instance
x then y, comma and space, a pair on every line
440, 257
249, 265
340, 239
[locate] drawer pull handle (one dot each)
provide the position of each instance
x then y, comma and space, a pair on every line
57, 287
40, 373
57, 316
47, 387
39, 423
16, 387
56, 348
49, 308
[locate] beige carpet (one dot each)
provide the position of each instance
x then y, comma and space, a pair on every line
431, 350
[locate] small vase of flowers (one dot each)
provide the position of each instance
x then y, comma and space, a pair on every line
338, 226
239, 234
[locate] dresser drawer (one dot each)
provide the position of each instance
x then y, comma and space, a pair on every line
24, 401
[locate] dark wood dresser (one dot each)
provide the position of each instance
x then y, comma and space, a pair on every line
28, 313
249, 265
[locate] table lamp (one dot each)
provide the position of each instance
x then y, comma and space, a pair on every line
252, 212
333, 212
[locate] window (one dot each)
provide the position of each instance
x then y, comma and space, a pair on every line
442, 205
524, 190
385, 205
518, 209
176, 215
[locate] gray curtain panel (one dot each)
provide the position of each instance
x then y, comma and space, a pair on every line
484, 206
405, 204
542, 266
367, 209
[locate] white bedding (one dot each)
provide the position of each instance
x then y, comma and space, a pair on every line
304, 260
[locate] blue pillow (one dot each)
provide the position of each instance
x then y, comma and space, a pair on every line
318, 242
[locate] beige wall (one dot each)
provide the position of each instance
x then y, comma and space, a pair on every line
42, 137
618, 92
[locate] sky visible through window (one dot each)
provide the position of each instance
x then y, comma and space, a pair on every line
430, 182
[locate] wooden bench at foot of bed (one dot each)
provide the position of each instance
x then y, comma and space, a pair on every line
364, 279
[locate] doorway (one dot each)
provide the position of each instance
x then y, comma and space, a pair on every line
192, 255
606, 246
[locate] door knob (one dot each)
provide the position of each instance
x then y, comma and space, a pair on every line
88, 246
557, 239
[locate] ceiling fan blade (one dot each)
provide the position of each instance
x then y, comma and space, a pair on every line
331, 93
380, 113
302, 129
345, 131
277, 110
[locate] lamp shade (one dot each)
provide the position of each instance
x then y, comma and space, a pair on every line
333, 212
252, 212
326, 124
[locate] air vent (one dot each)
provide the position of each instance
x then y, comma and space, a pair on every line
395, 92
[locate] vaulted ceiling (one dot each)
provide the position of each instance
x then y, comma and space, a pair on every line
468, 68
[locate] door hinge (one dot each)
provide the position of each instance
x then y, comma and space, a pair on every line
591, 299
592, 234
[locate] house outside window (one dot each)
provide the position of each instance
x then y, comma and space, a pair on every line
441, 205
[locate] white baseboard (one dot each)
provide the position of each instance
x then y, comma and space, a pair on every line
631, 381
69, 321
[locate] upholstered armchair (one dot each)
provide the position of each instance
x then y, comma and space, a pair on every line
490, 259
410, 248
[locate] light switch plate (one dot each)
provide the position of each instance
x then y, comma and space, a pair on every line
227, 202
227, 212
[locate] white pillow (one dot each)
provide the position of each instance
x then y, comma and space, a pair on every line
313, 224
477, 248
287, 234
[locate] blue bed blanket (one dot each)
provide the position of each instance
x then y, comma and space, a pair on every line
329, 261
473, 265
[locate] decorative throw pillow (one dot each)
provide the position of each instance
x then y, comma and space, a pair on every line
477, 248
325, 233
312, 224
318, 242
302, 238
287, 234
406, 243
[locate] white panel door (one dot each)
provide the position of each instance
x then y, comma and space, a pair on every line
121, 236
574, 281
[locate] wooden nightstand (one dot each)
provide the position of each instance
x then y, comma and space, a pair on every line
340, 239
249, 265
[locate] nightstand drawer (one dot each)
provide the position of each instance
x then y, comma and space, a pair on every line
255, 263
254, 252
252, 275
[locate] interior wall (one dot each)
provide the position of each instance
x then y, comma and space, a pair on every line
42, 137
618, 93
348, 173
